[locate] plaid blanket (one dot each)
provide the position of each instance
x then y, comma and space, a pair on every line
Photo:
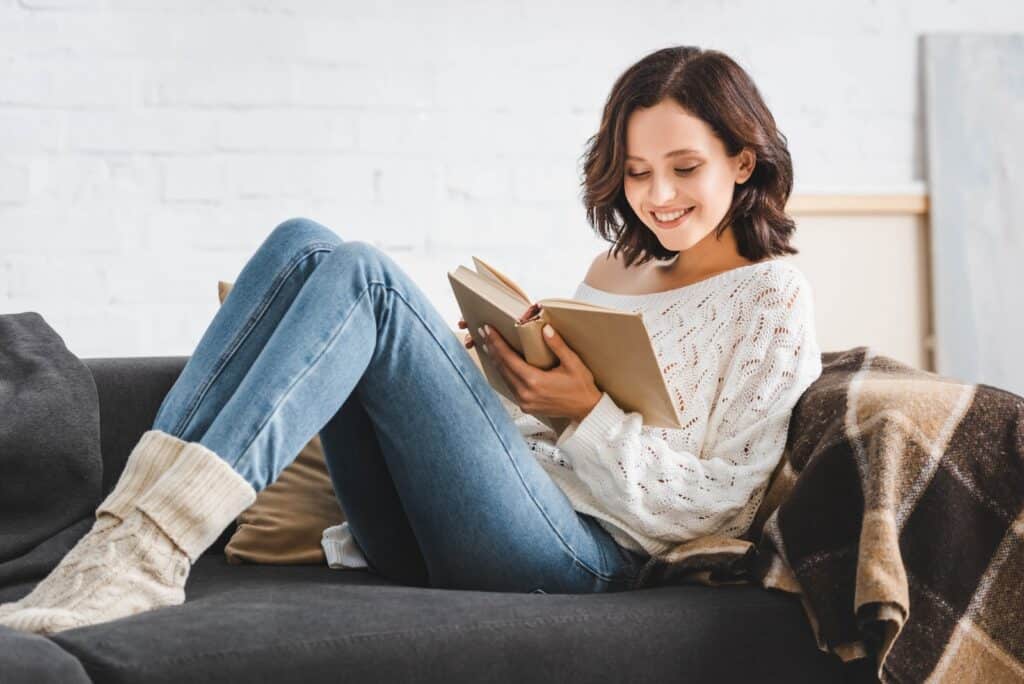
897, 516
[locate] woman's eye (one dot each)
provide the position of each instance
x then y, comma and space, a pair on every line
640, 175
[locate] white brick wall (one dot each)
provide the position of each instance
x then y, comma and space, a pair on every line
148, 146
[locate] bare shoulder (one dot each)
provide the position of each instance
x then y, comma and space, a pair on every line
605, 271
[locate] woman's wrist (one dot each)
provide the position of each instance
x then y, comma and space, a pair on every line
589, 405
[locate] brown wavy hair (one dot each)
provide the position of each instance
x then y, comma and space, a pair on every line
713, 87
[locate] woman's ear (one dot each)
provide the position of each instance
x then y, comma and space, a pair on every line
747, 162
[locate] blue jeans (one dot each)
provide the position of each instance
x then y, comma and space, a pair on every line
321, 335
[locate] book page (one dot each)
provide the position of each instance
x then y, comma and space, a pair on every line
485, 269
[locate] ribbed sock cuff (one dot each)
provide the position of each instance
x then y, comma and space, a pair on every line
196, 499
155, 452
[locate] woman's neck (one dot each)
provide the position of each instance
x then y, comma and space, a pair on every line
708, 257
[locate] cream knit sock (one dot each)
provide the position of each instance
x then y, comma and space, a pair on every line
154, 453
152, 456
143, 562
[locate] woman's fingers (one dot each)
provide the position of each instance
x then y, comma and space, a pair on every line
468, 340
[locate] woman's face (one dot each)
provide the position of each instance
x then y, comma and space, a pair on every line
659, 179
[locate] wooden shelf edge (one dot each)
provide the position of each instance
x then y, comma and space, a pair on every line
824, 204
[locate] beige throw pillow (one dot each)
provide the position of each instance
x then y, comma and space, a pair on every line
285, 524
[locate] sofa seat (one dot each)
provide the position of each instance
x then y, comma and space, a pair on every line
312, 624
258, 623
36, 659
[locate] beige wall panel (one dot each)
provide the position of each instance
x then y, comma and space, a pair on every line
869, 274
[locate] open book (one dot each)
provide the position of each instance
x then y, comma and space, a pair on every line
614, 344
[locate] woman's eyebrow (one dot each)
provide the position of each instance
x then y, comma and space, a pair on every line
673, 153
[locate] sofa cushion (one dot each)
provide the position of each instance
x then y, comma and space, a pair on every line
50, 465
32, 659
130, 390
314, 624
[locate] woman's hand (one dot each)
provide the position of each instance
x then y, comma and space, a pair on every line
566, 390
468, 339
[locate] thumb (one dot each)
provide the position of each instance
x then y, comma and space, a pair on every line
555, 342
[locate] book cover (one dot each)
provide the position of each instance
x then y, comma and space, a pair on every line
614, 344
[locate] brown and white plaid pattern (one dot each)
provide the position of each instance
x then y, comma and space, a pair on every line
897, 516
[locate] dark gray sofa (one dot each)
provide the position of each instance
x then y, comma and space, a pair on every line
312, 624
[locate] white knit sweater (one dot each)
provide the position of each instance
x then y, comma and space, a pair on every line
737, 350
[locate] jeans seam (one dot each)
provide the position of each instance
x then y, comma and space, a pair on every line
250, 325
621, 558
309, 367
602, 551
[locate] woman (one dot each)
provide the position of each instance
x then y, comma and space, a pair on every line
444, 483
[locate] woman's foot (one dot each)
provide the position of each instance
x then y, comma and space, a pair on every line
139, 559
117, 569
94, 536
152, 455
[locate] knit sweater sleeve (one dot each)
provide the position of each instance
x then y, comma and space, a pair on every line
675, 494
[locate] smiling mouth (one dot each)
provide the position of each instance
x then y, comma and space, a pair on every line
674, 222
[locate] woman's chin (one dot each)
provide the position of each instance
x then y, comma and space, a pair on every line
675, 240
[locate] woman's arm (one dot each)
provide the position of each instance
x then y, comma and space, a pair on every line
678, 494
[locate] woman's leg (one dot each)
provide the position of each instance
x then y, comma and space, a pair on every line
128, 561
263, 292
483, 511
368, 496
249, 315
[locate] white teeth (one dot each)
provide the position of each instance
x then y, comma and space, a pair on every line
670, 217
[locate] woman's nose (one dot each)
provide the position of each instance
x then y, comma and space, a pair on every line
662, 192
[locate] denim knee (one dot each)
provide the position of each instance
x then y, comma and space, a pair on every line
373, 262
299, 231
